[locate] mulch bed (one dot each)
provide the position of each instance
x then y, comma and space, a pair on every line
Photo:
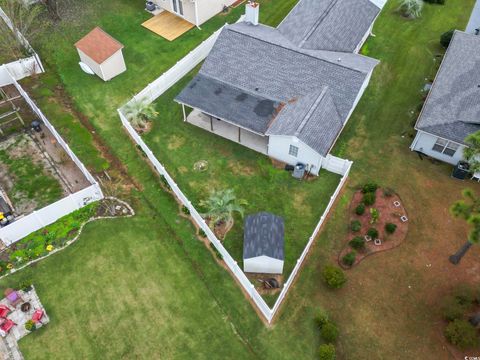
389, 213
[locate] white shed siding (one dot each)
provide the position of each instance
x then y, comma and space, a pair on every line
91, 63
279, 147
263, 265
113, 66
209, 8
424, 143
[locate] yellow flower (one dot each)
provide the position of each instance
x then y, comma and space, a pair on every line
49, 247
9, 266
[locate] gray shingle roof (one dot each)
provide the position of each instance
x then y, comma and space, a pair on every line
301, 117
249, 110
264, 235
258, 61
452, 109
337, 25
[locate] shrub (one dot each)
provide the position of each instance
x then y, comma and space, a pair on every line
322, 318
360, 209
333, 277
357, 243
373, 233
25, 284
326, 352
369, 188
202, 233
185, 210
369, 199
453, 310
446, 38
349, 259
30, 325
464, 295
355, 226
390, 228
388, 192
411, 8
375, 215
329, 332
462, 334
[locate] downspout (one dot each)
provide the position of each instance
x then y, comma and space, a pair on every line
196, 15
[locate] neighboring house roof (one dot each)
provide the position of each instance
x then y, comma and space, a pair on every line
337, 25
452, 108
98, 45
260, 62
264, 236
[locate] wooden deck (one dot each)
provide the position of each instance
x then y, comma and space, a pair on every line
168, 25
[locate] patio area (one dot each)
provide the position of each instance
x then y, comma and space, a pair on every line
228, 131
168, 25
20, 315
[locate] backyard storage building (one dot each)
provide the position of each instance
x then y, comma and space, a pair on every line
263, 244
101, 53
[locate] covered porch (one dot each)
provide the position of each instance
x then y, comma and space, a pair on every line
228, 131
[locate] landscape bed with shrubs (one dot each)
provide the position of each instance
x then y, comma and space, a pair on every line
375, 224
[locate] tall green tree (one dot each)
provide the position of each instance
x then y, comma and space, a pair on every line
472, 152
468, 209
221, 206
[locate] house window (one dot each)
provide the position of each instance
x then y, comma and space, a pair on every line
293, 150
445, 147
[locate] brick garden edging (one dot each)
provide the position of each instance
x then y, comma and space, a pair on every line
69, 242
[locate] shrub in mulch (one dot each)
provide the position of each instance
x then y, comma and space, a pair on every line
349, 259
373, 233
360, 209
357, 243
390, 228
355, 226
369, 188
369, 199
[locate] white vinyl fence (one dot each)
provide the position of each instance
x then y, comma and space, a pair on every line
51, 213
22, 68
155, 90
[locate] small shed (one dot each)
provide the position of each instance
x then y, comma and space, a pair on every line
263, 244
101, 53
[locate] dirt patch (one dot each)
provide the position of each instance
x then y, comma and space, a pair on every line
183, 170
390, 210
175, 142
240, 169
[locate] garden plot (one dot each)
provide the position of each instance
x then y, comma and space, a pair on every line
35, 171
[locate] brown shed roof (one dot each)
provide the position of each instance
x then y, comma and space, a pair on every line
98, 45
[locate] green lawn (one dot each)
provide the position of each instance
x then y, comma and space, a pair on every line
180, 145
147, 288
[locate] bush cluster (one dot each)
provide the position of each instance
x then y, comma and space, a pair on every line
328, 333
369, 199
357, 243
355, 226
462, 334
349, 259
360, 209
373, 233
390, 228
333, 276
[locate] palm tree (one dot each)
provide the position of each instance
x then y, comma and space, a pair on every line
411, 8
221, 205
469, 210
139, 112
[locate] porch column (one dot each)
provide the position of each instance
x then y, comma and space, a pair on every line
184, 113
196, 15
211, 123
239, 133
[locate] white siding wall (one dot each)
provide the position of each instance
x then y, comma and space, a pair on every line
92, 64
279, 147
188, 8
263, 265
424, 143
209, 8
113, 66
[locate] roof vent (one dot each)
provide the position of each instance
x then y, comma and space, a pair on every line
252, 12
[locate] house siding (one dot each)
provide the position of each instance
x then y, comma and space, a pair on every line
113, 66
424, 142
279, 147
263, 265
188, 9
